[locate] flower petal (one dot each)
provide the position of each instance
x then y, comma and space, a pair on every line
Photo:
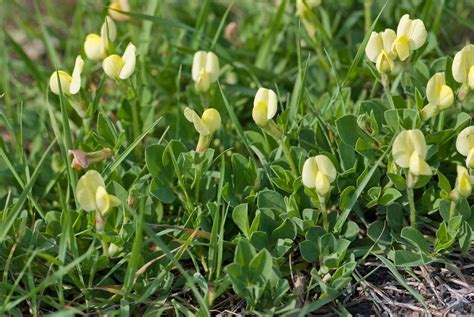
212, 119
272, 104
310, 170
102, 200
465, 141
64, 80
374, 46
212, 66
199, 62
326, 167
418, 166
322, 184
76, 76
92, 47
199, 125
87, 188
129, 57
417, 34
113, 65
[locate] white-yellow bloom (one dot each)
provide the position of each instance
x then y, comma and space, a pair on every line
463, 66
411, 35
70, 85
205, 125
465, 145
379, 50
96, 46
463, 182
205, 70
120, 5
438, 93
319, 172
303, 7
265, 106
440, 96
409, 151
117, 67
91, 194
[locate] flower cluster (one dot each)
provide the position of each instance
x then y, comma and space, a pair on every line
385, 47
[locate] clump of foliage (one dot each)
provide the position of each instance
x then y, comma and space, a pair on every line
246, 155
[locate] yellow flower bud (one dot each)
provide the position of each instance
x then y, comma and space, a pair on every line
92, 196
120, 5
384, 63
318, 172
428, 111
463, 182
465, 141
265, 106
205, 70
411, 35
378, 50
463, 66
406, 144
117, 67
70, 85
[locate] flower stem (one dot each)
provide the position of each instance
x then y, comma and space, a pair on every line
324, 211
452, 209
287, 152
411, 202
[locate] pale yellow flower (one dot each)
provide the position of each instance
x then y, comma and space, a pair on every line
465, 145
379, 50
91, 194
205, 70
440, 96
96, 46
409, 151
411, 35
117, 67
265, 106
463, 66
70, 85
207, 124
121, 5
319, 172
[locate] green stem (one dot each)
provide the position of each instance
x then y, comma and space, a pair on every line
386, 88
452, 209
411, 202
367, 14
135, 121
99, 226
324, 211
441, 121
287, 152
197, 181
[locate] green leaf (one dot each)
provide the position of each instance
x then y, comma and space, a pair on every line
272, 200
416, 238
261, 266
241, 219
287, 230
